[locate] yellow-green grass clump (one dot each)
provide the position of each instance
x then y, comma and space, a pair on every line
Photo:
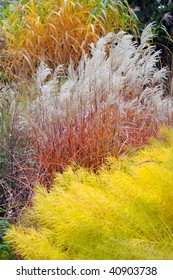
122, 212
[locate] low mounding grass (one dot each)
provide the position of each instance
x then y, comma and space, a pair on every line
57, 31
122, 212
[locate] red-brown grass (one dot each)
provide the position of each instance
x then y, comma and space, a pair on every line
91, 140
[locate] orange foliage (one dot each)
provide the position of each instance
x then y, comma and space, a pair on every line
57, 31
90, 141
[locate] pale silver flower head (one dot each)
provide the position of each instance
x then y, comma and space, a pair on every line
136, 9
168, 19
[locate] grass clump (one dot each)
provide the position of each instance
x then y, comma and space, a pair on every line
16, 170
112, 102
57, 31
122, 212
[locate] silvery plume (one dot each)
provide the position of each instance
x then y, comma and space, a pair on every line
168, 19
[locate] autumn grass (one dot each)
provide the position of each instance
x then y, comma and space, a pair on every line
89, 142
16, 173
124, 211
57, 31
111, 104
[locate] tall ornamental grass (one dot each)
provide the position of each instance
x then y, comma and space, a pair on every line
56, 31
124, 211
16, 168
112, 103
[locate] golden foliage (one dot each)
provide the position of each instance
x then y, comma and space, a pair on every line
122, 212
57, 31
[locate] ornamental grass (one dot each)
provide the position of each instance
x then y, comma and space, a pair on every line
57, 31
112, 103
124, 211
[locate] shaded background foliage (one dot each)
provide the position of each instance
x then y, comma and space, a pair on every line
160, 12
151, 10
157, 11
